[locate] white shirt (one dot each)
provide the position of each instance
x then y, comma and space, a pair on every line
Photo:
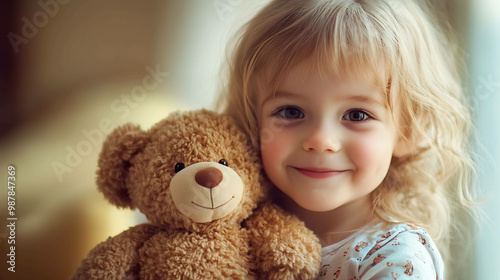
399, 251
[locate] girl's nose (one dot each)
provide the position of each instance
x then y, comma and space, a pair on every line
322, 139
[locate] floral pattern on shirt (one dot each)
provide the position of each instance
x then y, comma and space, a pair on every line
396, 252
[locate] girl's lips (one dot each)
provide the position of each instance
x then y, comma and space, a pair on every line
318, 173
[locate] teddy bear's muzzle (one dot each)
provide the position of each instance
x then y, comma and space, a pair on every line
206, 191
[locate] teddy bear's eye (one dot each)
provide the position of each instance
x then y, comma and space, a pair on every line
223, 162
178, 167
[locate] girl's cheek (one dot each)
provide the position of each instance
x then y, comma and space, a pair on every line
270, 143
270, 135
370, 153
271, 151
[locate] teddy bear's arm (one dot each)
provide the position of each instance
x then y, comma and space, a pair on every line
282, 246
117, 257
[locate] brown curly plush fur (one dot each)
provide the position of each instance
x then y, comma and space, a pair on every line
255, 240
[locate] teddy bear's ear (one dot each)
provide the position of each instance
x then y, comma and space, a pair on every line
114, 162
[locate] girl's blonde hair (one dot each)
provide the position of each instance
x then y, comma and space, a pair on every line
409, 54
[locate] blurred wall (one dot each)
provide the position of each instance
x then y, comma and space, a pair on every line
484, 85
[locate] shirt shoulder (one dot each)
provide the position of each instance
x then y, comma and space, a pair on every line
399, 251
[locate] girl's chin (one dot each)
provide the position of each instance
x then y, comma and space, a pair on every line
315, 205
302, 202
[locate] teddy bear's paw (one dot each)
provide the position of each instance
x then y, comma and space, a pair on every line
298, 263
299, 271
98, 274
291, 274
281, 274
283, 246
283, 262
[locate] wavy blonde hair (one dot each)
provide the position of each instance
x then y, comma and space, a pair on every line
410, 55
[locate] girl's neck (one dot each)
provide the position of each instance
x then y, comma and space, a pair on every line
334, 225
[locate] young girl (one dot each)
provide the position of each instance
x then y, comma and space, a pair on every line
359, 115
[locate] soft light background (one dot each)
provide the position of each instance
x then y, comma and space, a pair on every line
80, 70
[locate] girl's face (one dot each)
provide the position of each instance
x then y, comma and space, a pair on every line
326, 143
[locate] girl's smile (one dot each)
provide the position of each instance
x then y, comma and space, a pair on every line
319, 173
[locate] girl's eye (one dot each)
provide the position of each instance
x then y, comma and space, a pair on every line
290, 113
356, 116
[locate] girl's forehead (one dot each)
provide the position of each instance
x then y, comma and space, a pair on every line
324, 72
311, 71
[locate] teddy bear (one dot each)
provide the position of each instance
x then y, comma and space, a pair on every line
200, 184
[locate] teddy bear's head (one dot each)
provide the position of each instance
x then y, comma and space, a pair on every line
190, 170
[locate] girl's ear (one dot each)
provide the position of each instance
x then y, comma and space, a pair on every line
115, 160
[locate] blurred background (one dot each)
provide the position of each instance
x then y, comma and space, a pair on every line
73, 70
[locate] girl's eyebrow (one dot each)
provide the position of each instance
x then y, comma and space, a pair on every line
367, 99
353, 98
279, 94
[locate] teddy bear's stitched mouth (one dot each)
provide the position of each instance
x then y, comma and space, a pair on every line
212, 208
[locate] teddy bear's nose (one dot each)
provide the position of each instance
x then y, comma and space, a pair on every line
208, 177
